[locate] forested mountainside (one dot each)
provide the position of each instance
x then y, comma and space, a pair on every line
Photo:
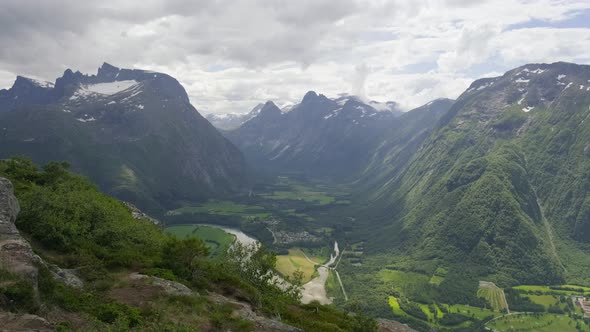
500, 188
133, 132
492, 186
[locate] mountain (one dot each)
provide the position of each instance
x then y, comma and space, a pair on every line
500, 188
318, 136
133, 132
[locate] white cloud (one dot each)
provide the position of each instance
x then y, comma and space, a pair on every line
231, 55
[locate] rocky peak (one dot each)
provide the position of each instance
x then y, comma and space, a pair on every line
107, 71
270, 108
310, 96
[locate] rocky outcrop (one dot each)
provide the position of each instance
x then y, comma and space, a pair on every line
23, 322
245, 312
16, 255
140, 215
169, 287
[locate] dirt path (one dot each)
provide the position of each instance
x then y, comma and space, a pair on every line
341, 285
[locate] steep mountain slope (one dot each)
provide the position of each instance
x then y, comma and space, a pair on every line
501, 184
133, 132
318, 137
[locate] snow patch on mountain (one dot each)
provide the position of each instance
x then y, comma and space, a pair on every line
43, 84
109, 88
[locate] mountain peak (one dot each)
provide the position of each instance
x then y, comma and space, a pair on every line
309, 96
108, 71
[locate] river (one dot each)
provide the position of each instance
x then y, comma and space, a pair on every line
315, 289
241, 237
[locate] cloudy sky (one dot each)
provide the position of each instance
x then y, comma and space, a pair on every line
231, 55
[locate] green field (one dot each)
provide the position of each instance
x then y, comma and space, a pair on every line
410, 284
544, 300
493, 294
307, 196
535, 323
225, 208
470, 311
288, 264
549, 290
292, 190
215, 238
394, 304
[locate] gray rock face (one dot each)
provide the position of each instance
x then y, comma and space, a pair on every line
170, 287
16, 255
140, 215
261, 323
23, 322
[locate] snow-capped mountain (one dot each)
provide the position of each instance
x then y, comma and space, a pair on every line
319, 135
122, 128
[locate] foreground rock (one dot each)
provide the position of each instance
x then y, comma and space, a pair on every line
169, 287
261, 323
16, 255
23, 322
385, 325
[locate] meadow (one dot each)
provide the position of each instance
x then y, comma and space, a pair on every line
536, 323
296, 261
215, 238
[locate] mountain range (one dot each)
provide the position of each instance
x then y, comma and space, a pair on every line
496, 181
133, 132
493, 186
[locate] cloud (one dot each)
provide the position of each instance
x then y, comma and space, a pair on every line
232, 54
361, 72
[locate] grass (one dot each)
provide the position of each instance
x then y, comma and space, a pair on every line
293, 213
537, 323
548, 289
215, 238
297, 191
436, 280
493, 294
427, 311
332, 286
394, 304
225, 208
320, 198
407, 283
544, 300
470, 311
295, 260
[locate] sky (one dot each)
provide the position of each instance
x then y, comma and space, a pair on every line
232, 55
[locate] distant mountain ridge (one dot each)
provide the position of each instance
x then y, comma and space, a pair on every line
133, 132
318, 136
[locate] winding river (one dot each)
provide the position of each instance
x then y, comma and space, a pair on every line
315, 289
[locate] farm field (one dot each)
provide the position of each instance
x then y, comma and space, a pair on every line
493, 294
536, 323
319, 198
553, 289
214, 238
295, 260
225, 208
